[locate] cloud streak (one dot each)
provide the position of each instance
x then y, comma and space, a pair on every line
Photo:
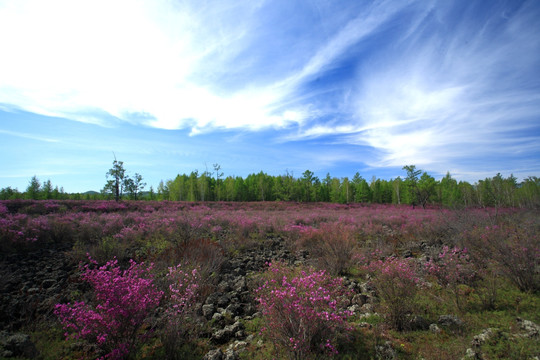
448, 91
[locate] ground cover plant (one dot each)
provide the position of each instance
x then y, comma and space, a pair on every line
399, 282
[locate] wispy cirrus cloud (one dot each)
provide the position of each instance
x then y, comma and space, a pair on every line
445, 90
28, 136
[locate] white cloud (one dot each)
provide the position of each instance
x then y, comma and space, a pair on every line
28, 136
452, 97
83, 59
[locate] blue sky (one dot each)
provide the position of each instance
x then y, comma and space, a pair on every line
277, 85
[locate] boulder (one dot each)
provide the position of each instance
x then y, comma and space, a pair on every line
449, 321
208, 310
17, 345
216, 354
531, 329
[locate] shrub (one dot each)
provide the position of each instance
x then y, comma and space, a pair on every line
304, 312
516, 249
331, 246
124, 302
452, 269
395, 280
179, 313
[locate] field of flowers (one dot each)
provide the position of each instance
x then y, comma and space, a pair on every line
319, 280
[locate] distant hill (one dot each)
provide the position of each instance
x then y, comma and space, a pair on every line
91, 192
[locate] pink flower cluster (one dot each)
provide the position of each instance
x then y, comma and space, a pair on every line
304, 311
401, 271
452, 266
183, 289
396, 281
124, 300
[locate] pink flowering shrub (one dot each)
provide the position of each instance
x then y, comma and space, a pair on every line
183, 289
124, 300
452, 268
304, 312
180, 325
395, 280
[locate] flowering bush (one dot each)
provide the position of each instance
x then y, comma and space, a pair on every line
124, 301
304, 313
395, 280
183, 289
452, 269
179, 313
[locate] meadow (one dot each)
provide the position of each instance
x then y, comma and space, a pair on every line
265, 280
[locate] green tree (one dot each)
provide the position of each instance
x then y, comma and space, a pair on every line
228, 185
335, 190
203, 184
9, 193
151, 193
162, 191
528, 193
397, 186
134, 186
412, 183
376, 190
115, 183
306, 187
217, 169
47, 190
33, 191
346, 191
425, 189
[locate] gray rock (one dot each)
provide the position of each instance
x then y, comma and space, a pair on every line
17, 345
208, 310
222, 336
434, 328
48, 283
360, 299
240, 284
418, 323
234, 309
407, 254
230, 354
449, 321
238, 345
385, 352
531, 329
470, 354
217, 317
216, 354
480, 339
367, 308
224, 301
237, 326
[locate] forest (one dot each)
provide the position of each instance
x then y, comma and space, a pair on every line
416, 187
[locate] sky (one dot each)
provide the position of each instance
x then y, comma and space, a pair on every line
339, 87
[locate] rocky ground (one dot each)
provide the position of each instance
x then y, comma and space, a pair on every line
31, 284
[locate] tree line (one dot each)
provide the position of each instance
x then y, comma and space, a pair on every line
416, 188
